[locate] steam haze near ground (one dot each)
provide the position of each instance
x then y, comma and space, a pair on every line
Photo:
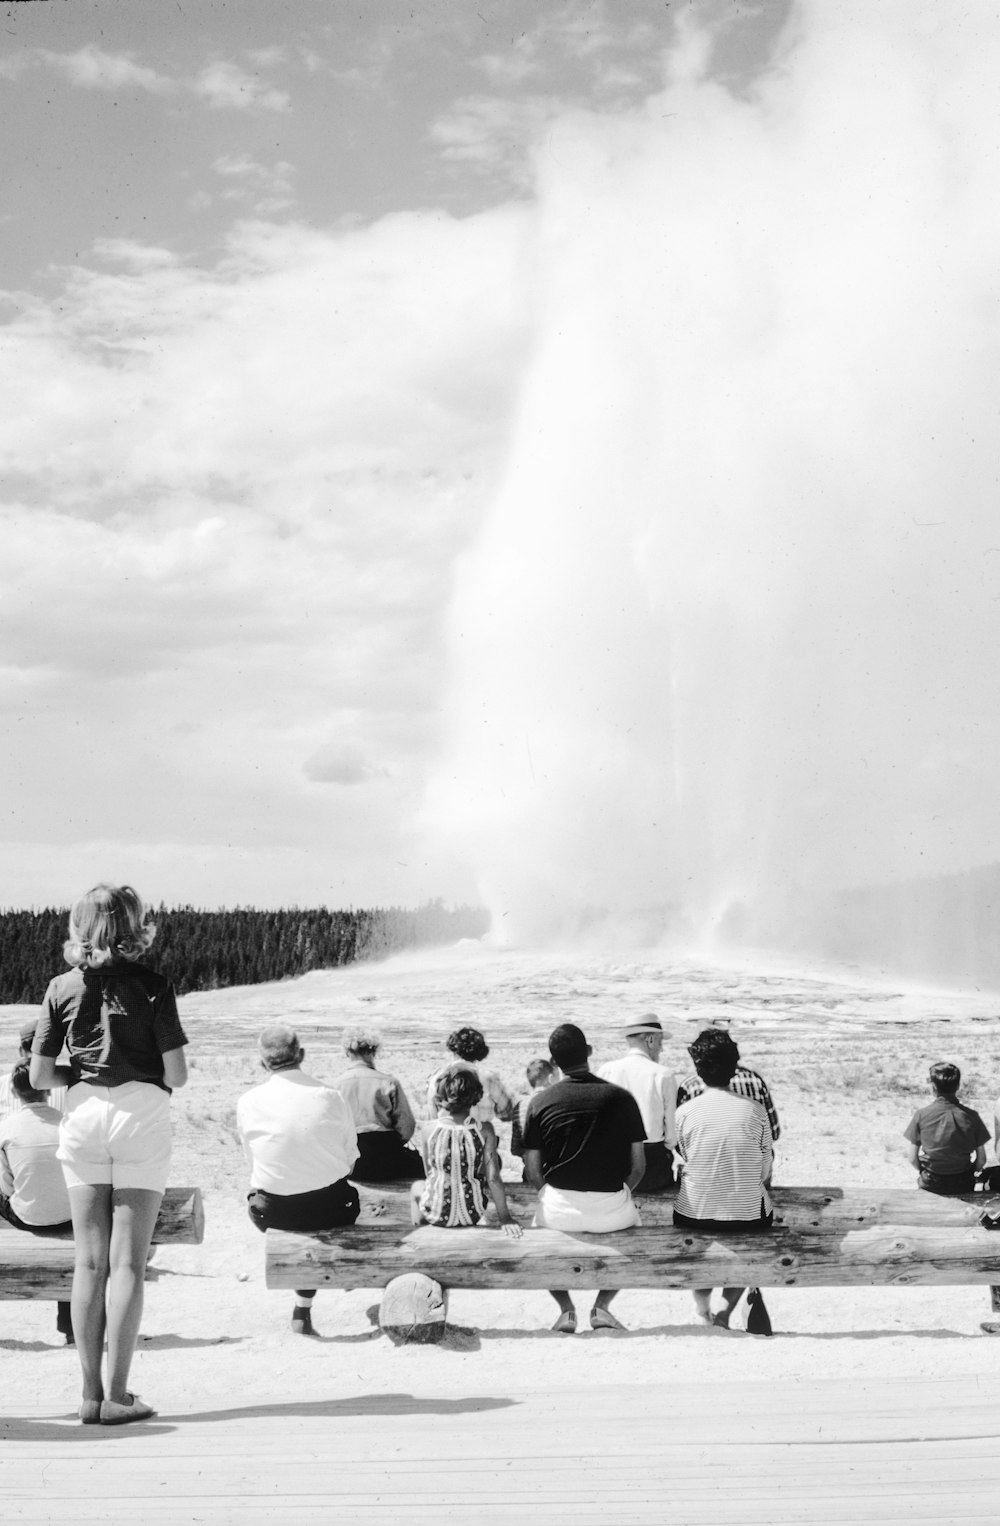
727, 643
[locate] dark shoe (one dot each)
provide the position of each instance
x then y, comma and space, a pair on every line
302, 1321
990, 1327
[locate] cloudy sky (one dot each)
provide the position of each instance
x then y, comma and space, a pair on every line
268, 289
511, 448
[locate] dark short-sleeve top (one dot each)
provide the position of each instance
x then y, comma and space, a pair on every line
947, 1134
585, 1129
116, 1022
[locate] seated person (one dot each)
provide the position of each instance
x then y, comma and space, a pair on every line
10, 1102
724, 1143
298, 1136
33, 1194
583, 1150
381, 1111
461, 1159
945, 1139
469, 1046
540, 1073
655, 1089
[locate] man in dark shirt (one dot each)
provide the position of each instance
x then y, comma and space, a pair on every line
946, 1139
583, 1150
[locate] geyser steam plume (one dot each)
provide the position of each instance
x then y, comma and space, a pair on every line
729, 639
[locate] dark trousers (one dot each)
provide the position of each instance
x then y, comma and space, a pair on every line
64, 1323
327, 1208
659, 1173
946, 1186
383, 1157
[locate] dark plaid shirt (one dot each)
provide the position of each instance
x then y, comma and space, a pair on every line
745, 1083
116, 1022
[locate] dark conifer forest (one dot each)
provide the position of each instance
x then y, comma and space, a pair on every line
203, 950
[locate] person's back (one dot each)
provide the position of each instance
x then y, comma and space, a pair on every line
31, 1178
946, 1139
725, 1143
583, 1127
298, 1133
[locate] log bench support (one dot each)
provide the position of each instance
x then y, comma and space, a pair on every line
823, 1237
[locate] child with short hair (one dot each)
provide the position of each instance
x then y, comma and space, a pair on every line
460, 1156
540, 1073
946, 1139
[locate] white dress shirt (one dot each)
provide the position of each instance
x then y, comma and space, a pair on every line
653, 1087
297, 1134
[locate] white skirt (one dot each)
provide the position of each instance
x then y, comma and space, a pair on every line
592, 1213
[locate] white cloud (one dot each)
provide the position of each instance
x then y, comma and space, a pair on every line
227, 86
92, 68
232, 501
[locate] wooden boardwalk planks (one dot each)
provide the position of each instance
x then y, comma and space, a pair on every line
707, 1455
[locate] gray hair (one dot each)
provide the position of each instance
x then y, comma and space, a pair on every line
361, 1041
279, 1047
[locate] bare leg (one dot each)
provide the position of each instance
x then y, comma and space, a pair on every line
604, 1297
563, 1299
703, 1304
133, 1220
90, 1207
416, 1192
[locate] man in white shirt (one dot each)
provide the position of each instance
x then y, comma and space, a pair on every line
655, 1089
298, 1135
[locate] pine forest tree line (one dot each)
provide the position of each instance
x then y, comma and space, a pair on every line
204, 950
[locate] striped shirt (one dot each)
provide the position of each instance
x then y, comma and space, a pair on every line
725, 1144
455, 1157
745, 1083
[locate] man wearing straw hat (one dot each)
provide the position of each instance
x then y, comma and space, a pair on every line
654, 1088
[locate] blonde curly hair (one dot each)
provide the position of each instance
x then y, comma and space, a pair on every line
109, 922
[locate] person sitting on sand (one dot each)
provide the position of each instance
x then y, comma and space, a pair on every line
583, 1150
724, 1143
655, 1089
745, 1082
298, 1135
383, 1118
33, 1194
946, 1139
540, 1074
469, 1046
460, 1155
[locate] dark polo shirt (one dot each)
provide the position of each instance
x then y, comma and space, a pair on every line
585, 1129
117, 1022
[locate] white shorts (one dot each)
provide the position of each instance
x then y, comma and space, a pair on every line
592, 1213
116, 1135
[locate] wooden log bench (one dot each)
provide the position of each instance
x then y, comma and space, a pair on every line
41, 1266
823, 1237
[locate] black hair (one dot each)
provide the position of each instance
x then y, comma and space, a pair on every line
715, 1057
20, 1084
945, 1078
568, 1046
468, 1044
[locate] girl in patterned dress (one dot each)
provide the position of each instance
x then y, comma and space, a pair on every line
460, 1156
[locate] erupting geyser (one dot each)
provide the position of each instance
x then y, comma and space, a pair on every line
728, 642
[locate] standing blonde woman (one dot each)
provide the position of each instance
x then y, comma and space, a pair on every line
118, 1021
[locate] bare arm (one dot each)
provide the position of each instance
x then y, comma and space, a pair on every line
175, 1071
44, 1073
495, 1183
533, 1169
980, 1160
913, 1155
638, 1165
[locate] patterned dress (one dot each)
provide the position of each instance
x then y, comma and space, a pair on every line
454, 1191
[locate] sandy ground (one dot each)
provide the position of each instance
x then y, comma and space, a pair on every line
846, 1058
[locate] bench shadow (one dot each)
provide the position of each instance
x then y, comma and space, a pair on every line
708, 1333
58, 1344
